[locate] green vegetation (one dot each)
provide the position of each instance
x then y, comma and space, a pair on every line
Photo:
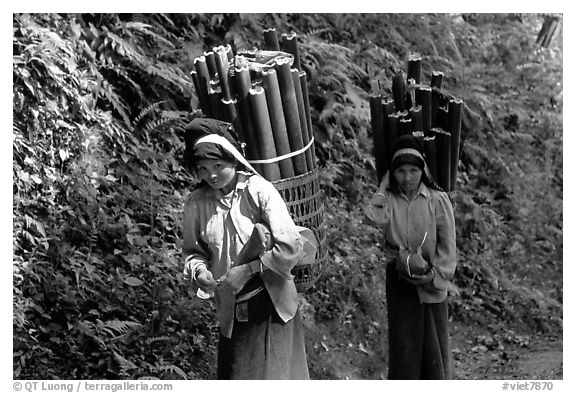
99, 102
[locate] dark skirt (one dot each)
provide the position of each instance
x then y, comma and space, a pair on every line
263, 347
418, 337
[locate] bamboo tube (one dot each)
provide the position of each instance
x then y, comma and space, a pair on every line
271, 39
443, 158
243, 83
437, 78
229, 52
203, 75
423, 96
390, 135
548, 30
302, 115
230, 113
431, 156
442, 118
415, 114
221, 60
215, 96
304, 86
276, 113
201, 104
399, 91
378, 137
405, 126
374, 87
211, 63
263, 132
290, 45
290, 106
392, 128
436, 102
414, 68
454, 127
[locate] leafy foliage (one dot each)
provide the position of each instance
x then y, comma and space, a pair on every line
99, 105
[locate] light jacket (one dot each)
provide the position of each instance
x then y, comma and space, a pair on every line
406, 221
217, 226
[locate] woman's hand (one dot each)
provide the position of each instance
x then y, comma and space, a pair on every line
206, 281
235, 279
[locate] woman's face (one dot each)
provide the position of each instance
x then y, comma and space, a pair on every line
219, 174
408, 177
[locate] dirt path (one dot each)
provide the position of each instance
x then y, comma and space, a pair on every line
483, 356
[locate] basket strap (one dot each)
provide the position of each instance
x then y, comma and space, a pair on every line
285, 156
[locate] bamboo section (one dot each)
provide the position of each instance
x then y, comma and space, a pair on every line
548, 30
415, 114
211, 63
405, 126
203, 76
443, 158
290, 106
290, 45
431, 156
454, 127
393, 130
302, 116
230, 113
442, 118
378, 135
437, 78
423, 96
304, 86
263, 132
271, 39
194, 76
414, 68
390, 133
243, 84
279, 131
221, 60
215, 95
399, 90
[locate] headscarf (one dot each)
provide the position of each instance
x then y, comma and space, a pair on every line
407, 149
212, 139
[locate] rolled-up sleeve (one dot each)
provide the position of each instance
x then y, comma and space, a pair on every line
195, 255
287, 243
445, 258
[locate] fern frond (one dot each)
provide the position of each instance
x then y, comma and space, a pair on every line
174, 370
116, 327
146, 111
156, 124
153, 340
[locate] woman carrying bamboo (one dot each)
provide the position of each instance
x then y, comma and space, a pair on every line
261, 334
420, 241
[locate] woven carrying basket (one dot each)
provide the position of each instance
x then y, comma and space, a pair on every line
303, 198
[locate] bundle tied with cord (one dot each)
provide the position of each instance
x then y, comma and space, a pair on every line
264, 95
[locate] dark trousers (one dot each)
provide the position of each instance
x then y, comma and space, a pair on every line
418, 337
264, 347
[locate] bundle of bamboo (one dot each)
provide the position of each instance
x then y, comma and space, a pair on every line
423, 111
264, 94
